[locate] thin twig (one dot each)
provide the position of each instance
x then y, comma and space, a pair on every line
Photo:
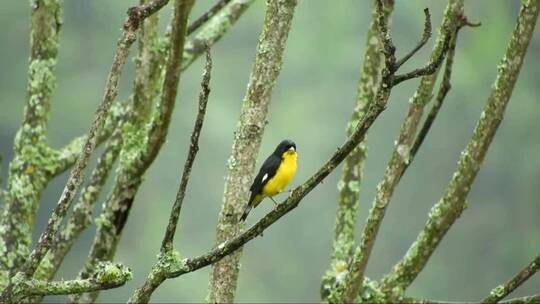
421, 43
156, 275
192, 153
428, 69
207, 15
500, 292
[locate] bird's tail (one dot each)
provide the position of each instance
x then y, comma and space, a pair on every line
245, 213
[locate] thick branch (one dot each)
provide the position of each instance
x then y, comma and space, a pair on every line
351, 176
500, 292
449, 208
33, 160
135, 16
246, 144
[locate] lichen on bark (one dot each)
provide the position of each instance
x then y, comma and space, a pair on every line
445, 212
248, 135
33, 160
353, 166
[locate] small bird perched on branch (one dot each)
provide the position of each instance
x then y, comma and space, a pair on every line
276, 172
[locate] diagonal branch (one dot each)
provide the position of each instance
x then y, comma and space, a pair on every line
500, 292
192, 153
451, 205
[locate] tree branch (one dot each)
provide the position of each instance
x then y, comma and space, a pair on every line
141, 147
500, 292
107, 276
398, 162
213, 30
351, 177
421, 43
192, 153
33, 160
135, 16
451, 205
247, 140
195, 25
167, 253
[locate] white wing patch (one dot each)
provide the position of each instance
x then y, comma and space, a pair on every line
264, 178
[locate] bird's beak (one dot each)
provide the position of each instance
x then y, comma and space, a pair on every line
292, 149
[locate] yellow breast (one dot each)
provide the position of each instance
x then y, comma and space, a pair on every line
283, 176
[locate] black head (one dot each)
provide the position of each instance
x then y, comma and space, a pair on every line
284, 146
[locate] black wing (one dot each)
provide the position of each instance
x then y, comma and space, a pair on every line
270, 167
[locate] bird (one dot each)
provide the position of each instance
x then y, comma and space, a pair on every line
275, 173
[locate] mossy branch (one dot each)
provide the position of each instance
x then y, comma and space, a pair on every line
400, 159
353, 165
135, 16
451, 205
500, 292
141, 147
156, 277
247, 140
33, 160
107, 276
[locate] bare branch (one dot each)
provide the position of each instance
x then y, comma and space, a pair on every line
156, 275
500, 292
397, 164
192, 153
421, 43
451, 205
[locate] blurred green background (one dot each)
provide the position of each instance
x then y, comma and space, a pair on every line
495, 237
